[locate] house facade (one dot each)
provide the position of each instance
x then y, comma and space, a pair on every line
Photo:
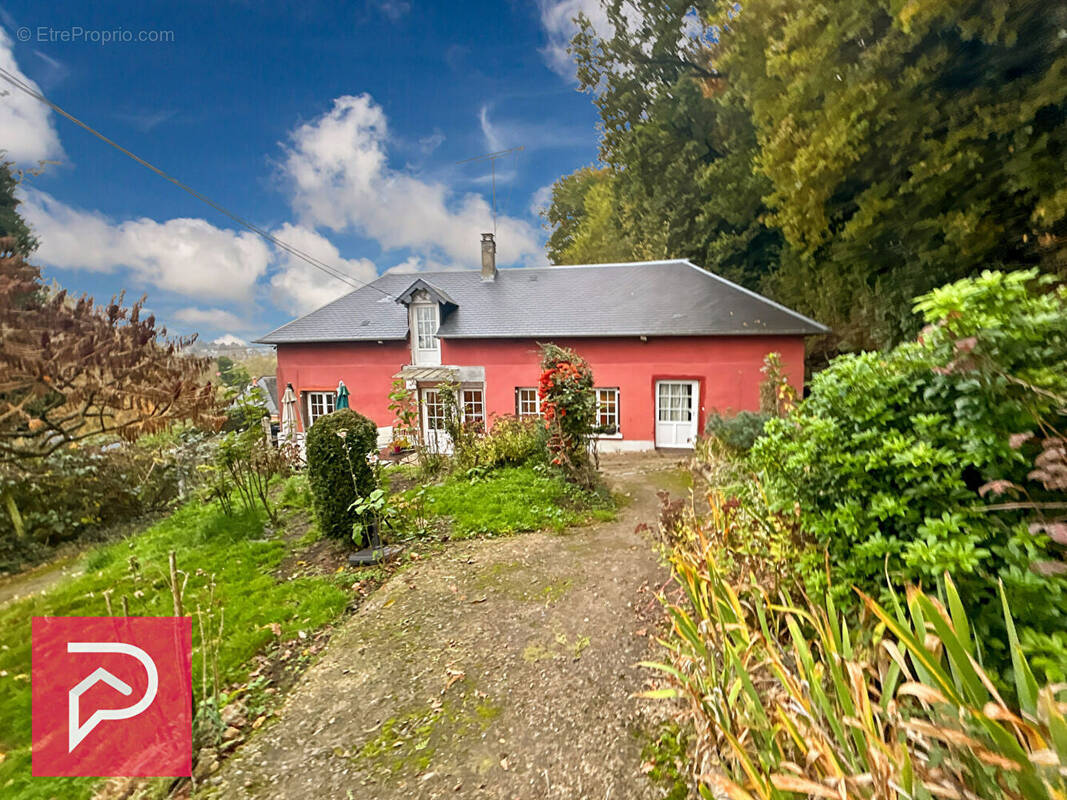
668, 344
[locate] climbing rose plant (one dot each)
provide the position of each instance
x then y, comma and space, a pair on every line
568, 405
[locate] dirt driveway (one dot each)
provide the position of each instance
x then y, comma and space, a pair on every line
498, 669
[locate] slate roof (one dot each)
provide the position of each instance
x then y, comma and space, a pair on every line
650, 298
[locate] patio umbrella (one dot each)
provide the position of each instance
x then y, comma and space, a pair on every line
288, 420
342, 395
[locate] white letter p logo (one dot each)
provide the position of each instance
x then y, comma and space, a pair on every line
76, 732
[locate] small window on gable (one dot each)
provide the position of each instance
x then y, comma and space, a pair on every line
527, 402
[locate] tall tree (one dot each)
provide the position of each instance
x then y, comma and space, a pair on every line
680, 149
841, 157
584, 220
907, 144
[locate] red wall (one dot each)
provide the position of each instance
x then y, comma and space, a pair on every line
728, 369
367, 369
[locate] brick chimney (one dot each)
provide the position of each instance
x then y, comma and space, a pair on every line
488, 257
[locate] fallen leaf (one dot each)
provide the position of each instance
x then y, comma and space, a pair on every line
259, 722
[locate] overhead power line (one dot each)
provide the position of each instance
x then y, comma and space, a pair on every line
317, 263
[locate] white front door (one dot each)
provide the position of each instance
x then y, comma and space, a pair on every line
433, 422
677, 403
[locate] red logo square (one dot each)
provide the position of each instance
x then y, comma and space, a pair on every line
112, 696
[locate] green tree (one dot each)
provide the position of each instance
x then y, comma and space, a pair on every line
907, 145
12, 225
840, 157
680, 147
584, 220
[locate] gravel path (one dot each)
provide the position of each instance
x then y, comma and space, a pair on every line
498, 669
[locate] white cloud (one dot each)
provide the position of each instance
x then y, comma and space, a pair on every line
338, 170
541, 199
217, 318
492, 138
229, 340
299, 287
187, 256
395, 10
557, 18
28, 133
530, 135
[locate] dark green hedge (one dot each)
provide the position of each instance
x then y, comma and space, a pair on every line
337, 449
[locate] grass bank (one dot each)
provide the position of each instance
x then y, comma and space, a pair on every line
230, 562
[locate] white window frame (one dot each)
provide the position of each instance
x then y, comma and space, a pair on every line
433, 409
425, 314
473, 408
519, 402
326, 402
615, 411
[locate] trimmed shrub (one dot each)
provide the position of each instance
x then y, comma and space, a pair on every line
338, 471
739, 432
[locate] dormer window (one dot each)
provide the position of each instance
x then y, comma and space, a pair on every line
426, 304
426, 327
426, 347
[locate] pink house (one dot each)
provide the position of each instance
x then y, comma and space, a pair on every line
668, 343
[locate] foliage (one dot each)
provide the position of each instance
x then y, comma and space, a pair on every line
228, 561
840, 157
512, 442
464, 433
777, 397
907, 145
738, 432
568, 405
511, 500
405, 410
12, 225
792, 698
250, 463
77, 494
896, 458
584, 220
681, 153
70, 370
232, 374
338, 447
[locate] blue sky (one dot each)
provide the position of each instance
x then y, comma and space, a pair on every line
334, 126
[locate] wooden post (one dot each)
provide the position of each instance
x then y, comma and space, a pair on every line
175, 590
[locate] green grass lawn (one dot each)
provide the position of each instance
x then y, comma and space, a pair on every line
512, 500
233, 552
238, 556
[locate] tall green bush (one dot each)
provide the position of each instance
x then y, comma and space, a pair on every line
896, 459
338, 471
